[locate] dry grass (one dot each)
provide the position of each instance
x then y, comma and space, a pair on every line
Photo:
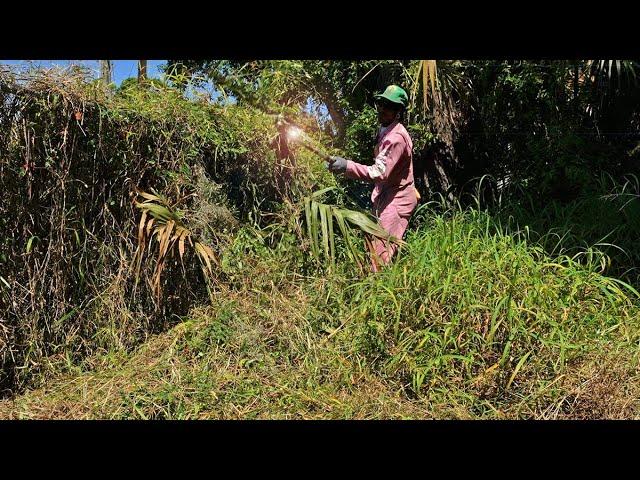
278, 344
272, 366
606, 386
269, 348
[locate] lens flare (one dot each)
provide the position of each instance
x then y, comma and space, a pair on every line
294, 134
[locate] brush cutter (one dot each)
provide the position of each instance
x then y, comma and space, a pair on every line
295, 134
310, 147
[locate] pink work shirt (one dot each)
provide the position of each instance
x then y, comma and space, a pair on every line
391, 172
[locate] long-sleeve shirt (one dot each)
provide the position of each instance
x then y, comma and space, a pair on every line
391, 172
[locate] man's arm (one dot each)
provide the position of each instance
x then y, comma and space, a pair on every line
390, 153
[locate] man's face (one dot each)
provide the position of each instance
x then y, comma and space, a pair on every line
387, 112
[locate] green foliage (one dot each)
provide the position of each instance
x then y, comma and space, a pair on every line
361, 135
539, 147
507, 316
470, 322
422, 136
321, 220
134, 83
87, 153
344, 87
469, 314
604, 214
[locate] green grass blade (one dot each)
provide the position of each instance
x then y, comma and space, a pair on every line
518, 367
331, 235
325, 229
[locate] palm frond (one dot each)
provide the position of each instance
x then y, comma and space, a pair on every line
163, 223
427, 70
608, 67
320, 219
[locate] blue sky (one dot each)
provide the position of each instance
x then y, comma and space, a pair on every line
121, 68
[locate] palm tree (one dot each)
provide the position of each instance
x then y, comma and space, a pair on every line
430, 87
442, 86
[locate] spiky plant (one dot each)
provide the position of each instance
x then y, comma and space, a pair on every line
320, 218
429, 71
161, 224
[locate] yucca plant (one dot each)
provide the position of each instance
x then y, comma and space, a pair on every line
162, 223
320, 218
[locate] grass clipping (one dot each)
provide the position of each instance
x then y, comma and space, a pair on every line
470, 322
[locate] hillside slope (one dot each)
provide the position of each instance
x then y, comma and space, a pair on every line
469, 322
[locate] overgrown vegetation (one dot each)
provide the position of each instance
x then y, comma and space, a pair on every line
166, 257
72, 158
469, 323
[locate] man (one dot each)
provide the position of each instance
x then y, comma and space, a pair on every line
394, 196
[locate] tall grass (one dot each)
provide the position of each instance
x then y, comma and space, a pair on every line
469, 322
604, 216
471, 316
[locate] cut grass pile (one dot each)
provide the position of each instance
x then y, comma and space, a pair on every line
469, 322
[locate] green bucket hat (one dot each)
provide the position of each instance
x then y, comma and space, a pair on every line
394, 94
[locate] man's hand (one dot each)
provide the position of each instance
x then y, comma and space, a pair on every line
337, 165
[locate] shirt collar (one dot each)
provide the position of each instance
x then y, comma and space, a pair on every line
385, 130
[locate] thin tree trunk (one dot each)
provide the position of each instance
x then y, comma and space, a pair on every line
337, 116
105, 71
142, 70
